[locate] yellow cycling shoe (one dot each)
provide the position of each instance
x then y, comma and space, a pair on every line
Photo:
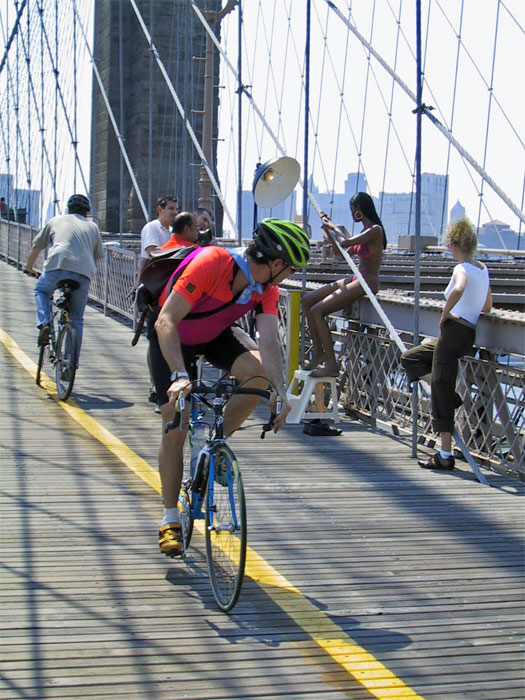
170, 540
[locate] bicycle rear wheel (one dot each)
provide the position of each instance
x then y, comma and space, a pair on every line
226, 529
41, 355
66, 362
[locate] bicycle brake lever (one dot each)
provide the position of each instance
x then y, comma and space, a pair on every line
177, 418
268, 426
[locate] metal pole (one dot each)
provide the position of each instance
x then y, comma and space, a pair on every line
205, 197
150, 118
121, 121
239, 128
205, 190
55, 139
418, 213
75, 100
29, 114
305, 166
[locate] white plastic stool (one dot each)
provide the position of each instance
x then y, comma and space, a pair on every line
300, 403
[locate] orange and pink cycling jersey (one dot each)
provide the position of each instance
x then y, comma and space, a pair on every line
206, 283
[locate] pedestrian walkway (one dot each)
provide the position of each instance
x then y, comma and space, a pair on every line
367, 577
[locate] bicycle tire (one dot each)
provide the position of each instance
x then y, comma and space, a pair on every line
66, 362
186, 519
41, 353
226, 530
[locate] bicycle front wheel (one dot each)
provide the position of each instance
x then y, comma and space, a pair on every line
226, 528
66, 361
186, 519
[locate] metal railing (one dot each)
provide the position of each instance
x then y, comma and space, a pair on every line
372, 385
491, 421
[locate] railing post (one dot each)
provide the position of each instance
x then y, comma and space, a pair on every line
106, 280
293, 332
135, 275
18, 264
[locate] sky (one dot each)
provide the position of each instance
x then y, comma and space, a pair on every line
351, 98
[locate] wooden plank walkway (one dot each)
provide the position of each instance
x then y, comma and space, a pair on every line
369, 576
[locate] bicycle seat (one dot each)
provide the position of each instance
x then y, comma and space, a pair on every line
71, 284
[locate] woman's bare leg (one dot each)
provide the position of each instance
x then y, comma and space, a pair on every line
347, 291
309, 301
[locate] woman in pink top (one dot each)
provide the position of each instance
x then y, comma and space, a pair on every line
368, 246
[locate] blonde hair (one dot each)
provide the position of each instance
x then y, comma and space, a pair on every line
462, 234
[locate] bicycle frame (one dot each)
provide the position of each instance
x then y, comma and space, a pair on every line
60, 310
217, 405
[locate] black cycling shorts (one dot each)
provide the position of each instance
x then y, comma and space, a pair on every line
220, 352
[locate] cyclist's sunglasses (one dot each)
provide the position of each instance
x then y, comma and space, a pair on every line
292, 269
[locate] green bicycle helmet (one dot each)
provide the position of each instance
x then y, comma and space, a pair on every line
283, 239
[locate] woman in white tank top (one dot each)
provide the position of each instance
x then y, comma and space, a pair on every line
467, 295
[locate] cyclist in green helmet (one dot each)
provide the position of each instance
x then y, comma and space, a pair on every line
215, 288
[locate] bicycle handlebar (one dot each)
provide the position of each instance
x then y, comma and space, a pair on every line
220, 390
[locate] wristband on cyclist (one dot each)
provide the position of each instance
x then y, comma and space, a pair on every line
178, 375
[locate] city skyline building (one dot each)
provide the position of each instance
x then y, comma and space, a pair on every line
457, 212
337, 204
397, 209
24, 204
497, 234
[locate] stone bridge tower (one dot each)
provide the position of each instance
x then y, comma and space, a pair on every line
159, 148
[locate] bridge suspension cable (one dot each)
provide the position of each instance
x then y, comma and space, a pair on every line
182, 112
446, 132
113, 120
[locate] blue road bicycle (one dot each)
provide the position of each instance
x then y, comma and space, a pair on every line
213, 488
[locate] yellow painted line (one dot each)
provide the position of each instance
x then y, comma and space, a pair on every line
126, 455
357, 662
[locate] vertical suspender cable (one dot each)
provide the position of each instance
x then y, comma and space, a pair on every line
522, 202
55, 143
454, 94
150, 116
75, 100
28, 68
305, 167
103, 92
239, 126
418, 208
9, 167
17, 117
360, 154
390, 109
122, 197
42, 117
491, 87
